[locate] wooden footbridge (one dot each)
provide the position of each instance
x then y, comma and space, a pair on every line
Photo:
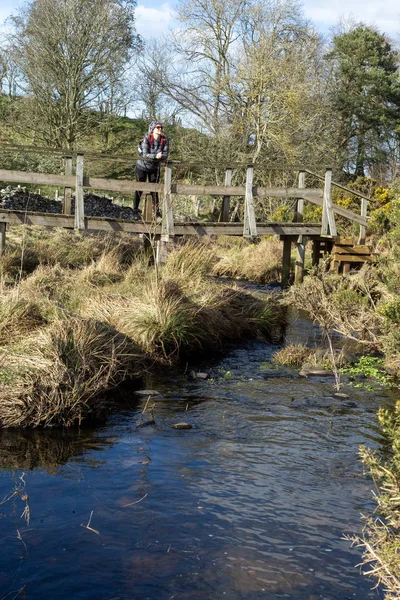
297, 232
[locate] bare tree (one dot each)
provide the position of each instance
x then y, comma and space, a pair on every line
204, 47
71, 53
150, 81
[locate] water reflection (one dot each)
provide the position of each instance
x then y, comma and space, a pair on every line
28, 449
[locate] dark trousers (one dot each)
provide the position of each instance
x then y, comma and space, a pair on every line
151, 177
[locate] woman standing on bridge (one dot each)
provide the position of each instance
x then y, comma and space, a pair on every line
154, 147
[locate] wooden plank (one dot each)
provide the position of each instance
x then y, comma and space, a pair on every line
121, 185
352, 258
79, 204
102, 223
351, 250
36, 178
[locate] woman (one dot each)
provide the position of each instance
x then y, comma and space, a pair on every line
155, 148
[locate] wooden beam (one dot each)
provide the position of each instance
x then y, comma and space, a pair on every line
3, 227
67, 189
15, 217
79, 204
249, 226
167, 227
353, 258
226, 200
363, 229
36, 178
299, 210
287, 248
300, 259
328, 226
148, 208
316, 252
351, 249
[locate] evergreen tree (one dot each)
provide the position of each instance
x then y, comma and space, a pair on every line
366, 95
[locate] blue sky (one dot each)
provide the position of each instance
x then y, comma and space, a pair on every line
155, 16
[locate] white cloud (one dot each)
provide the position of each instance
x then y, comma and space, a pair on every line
151, 22
384, 14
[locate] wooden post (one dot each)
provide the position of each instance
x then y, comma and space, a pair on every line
3, 227
167, 224
148, 207
361, 237
301, 240
299, 211
161, 252
300, 259
79, 206
287, 247
328, 226
226, 200
67, 190
316, 251
250, 227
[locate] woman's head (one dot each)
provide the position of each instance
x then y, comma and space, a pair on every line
155, 125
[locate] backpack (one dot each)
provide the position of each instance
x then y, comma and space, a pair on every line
150, 137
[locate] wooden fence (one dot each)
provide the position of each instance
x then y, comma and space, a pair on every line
289, 232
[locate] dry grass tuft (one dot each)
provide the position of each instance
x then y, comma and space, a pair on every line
90, 328
380, 538
190, 263
259, 262
293, 355
77, 360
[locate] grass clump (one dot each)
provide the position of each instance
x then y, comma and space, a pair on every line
64, 373
380, 538
260, 262
102, 319
293, 355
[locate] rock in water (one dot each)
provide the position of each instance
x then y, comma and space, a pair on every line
182, 426
313, 370
143, 393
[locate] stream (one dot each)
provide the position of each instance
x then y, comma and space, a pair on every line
251, 503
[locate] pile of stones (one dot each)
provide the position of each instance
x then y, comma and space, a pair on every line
95, 206
20, 199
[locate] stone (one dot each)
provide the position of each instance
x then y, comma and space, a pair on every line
198, 375
145, 423
182, 426
95, 206
340, 396
308, 370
